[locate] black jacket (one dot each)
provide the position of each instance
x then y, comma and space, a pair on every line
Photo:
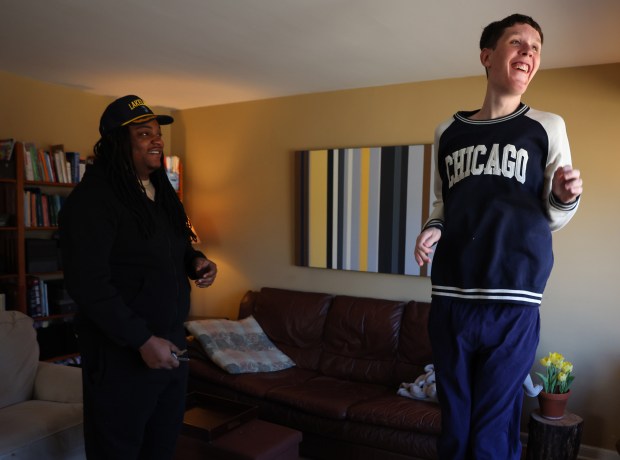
127, 287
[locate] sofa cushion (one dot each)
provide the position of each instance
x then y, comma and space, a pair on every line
414, 349
326, 396
19, 357
238, 346
397, 412
294, 321
361, 339
43, 423
58, 383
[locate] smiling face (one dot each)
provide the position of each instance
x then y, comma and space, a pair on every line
147, 147
514, 61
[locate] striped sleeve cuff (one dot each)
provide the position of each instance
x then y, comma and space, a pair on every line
436, 223
557, 204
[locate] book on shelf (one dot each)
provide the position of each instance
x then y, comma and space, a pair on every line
59, 161
73, 159
30, 161
48, 297
27, 219
56, 204
44, 169
6, 149
45, 210
41, 209
34, 296
53, 165
30, 206
37, 212
44, 299
33, 208
49, 166
7, 160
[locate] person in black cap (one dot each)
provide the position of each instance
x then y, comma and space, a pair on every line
127, 254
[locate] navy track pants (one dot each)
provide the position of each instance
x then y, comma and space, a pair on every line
482, 354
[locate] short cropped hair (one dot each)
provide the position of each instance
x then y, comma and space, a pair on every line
492, 33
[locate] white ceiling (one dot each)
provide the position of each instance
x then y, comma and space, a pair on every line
191, 53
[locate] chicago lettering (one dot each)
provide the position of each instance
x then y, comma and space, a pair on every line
476, 160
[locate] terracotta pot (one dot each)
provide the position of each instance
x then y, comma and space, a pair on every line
552, 406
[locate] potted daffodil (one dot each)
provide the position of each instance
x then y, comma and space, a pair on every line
556, 385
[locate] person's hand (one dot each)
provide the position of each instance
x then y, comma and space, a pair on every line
206, 270
157, 353
424, 245
566, 184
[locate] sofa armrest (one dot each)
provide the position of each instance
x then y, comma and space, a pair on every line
55, 382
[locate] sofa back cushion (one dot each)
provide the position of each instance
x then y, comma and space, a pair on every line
414, 348
361, 339
19, 357
294, 321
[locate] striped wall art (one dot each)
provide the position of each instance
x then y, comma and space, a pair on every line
362, 208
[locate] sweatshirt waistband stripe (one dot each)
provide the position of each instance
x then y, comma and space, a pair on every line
488, 294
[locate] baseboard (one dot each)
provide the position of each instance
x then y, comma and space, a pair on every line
595, 453
585, 452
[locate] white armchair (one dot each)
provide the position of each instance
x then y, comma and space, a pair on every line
40, 403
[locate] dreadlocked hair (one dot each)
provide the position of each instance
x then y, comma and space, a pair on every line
113, 152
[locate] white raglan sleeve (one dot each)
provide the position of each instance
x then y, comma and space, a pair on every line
558, 213
436, 218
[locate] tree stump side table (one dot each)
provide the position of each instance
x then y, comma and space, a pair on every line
554, 439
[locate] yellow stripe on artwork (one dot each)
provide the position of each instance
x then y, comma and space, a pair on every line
317, 208
364, 204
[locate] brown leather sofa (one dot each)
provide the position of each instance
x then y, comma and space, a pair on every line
351, 355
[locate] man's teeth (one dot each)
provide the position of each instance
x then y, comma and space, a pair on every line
523, 67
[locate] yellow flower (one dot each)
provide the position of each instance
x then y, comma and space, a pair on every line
556, 359
558, 376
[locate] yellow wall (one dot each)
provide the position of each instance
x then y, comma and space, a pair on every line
49, 114
240, 194
239, 191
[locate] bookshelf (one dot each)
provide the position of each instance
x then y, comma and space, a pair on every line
18, 268
19, 190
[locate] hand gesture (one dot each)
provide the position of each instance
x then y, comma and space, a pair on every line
424, 245
157, 353
206, 270
566, 184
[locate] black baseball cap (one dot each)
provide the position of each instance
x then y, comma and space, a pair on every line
127, 110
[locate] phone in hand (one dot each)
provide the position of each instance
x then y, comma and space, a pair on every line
182, 356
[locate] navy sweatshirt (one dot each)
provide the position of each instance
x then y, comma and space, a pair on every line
494, 206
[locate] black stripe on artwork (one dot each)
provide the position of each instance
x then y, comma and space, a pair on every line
392, 210
341, 183
330, 208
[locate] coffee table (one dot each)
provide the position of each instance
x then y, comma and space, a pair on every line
232, 435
